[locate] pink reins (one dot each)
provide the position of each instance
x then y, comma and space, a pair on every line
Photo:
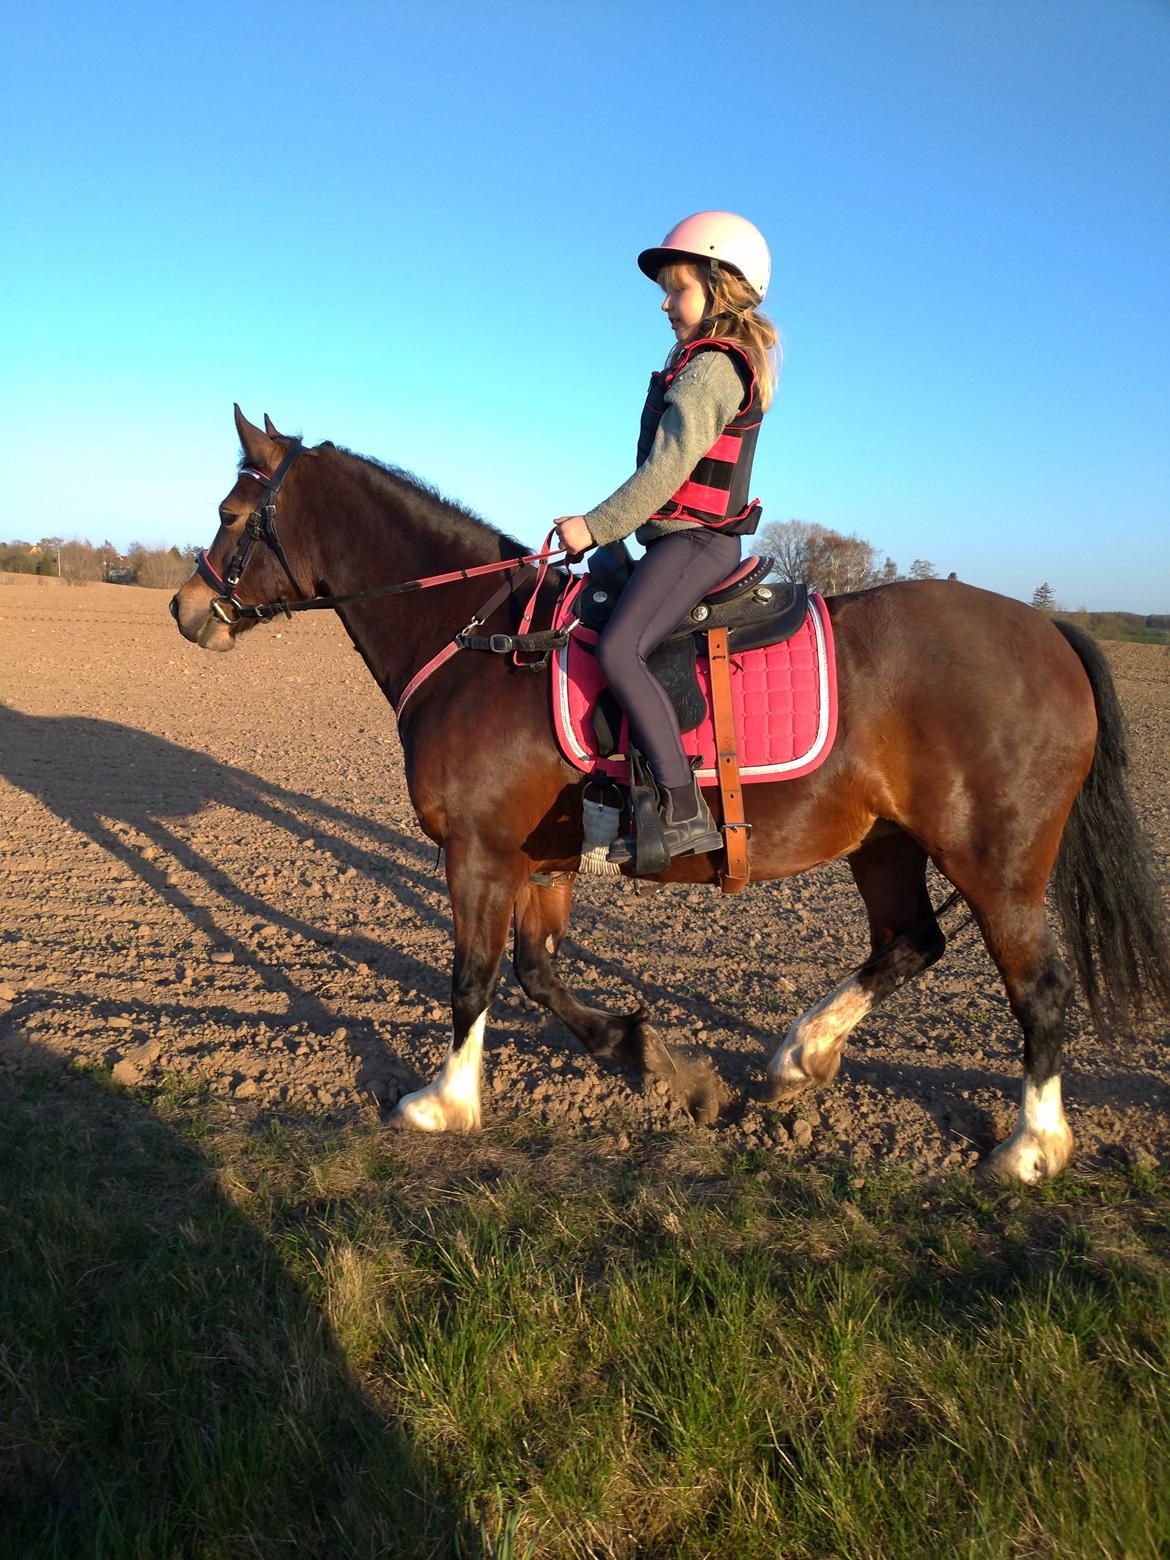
542, 558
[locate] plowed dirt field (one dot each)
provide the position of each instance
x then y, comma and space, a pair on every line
210, 865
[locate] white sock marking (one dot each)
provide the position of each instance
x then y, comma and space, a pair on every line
822, 1028
1042, 1142
451, 1102
1041, 1109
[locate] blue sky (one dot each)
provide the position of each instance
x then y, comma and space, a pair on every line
411, 229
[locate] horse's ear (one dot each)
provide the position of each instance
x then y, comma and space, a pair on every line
258, 447
271, 429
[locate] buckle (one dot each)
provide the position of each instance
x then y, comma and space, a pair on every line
500, 644
218, 609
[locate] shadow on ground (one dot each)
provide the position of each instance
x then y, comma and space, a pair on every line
169, 1387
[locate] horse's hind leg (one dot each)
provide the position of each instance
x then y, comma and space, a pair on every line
542, 913
541, 917
905, 938
1038, 985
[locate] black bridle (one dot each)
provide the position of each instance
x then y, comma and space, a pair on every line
260, 526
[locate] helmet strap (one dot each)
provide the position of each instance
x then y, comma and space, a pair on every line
715, 274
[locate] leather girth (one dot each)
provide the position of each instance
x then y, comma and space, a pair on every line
736, 832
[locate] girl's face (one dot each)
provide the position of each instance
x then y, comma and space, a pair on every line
685, 302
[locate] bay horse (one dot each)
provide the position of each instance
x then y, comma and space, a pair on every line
973, 732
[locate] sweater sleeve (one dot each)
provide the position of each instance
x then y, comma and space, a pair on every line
700, 403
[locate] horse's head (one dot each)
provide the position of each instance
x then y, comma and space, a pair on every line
248, 560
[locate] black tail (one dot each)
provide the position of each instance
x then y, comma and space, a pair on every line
1110, 908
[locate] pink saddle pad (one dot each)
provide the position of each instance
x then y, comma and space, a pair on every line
784, 699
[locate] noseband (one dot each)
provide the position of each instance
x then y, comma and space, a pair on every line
259, 527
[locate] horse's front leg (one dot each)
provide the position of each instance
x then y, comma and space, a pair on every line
483, 889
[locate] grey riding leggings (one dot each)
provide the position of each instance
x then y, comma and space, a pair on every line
676, 573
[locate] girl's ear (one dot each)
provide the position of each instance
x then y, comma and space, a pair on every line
259, 449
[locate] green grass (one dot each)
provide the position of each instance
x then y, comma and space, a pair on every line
1127, 627
294, 1339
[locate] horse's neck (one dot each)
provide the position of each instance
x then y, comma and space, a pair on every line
391, 534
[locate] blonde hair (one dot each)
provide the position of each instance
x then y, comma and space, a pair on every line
732, 315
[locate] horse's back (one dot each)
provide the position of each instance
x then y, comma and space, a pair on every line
955, 698
944, 636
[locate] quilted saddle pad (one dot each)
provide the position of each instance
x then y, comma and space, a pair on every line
784, 698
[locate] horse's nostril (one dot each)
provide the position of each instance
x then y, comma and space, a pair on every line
174, 608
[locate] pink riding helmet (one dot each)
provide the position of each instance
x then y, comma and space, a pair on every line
714, 235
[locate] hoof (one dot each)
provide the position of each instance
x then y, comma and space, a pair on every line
778, 1092
796, 1069
1027, 1158
698, 1090
426, 1110
693, 1084
644, 1048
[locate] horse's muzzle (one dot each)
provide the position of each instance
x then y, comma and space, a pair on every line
191, 608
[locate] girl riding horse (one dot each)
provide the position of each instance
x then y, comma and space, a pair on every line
688, 501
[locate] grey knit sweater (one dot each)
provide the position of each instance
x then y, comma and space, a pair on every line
700, 402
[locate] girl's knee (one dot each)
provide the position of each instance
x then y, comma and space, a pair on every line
614, 656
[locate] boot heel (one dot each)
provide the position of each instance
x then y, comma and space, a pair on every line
704, 846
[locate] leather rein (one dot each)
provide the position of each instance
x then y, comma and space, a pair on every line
260, 526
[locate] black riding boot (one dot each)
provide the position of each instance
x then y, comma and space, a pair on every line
692, 835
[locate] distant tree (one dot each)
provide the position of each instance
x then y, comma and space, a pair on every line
1044, 597
108, 558
822, 558
47, 563
159, 568
791, 546
79, 563
923, 569
888, 573
952, 575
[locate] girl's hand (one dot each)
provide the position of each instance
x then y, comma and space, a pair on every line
574, 534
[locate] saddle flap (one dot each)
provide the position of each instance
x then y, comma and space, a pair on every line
787, 610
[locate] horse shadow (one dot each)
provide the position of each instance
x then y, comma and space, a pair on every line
128, 791
176, 1386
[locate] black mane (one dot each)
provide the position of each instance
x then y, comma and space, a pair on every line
453, 516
